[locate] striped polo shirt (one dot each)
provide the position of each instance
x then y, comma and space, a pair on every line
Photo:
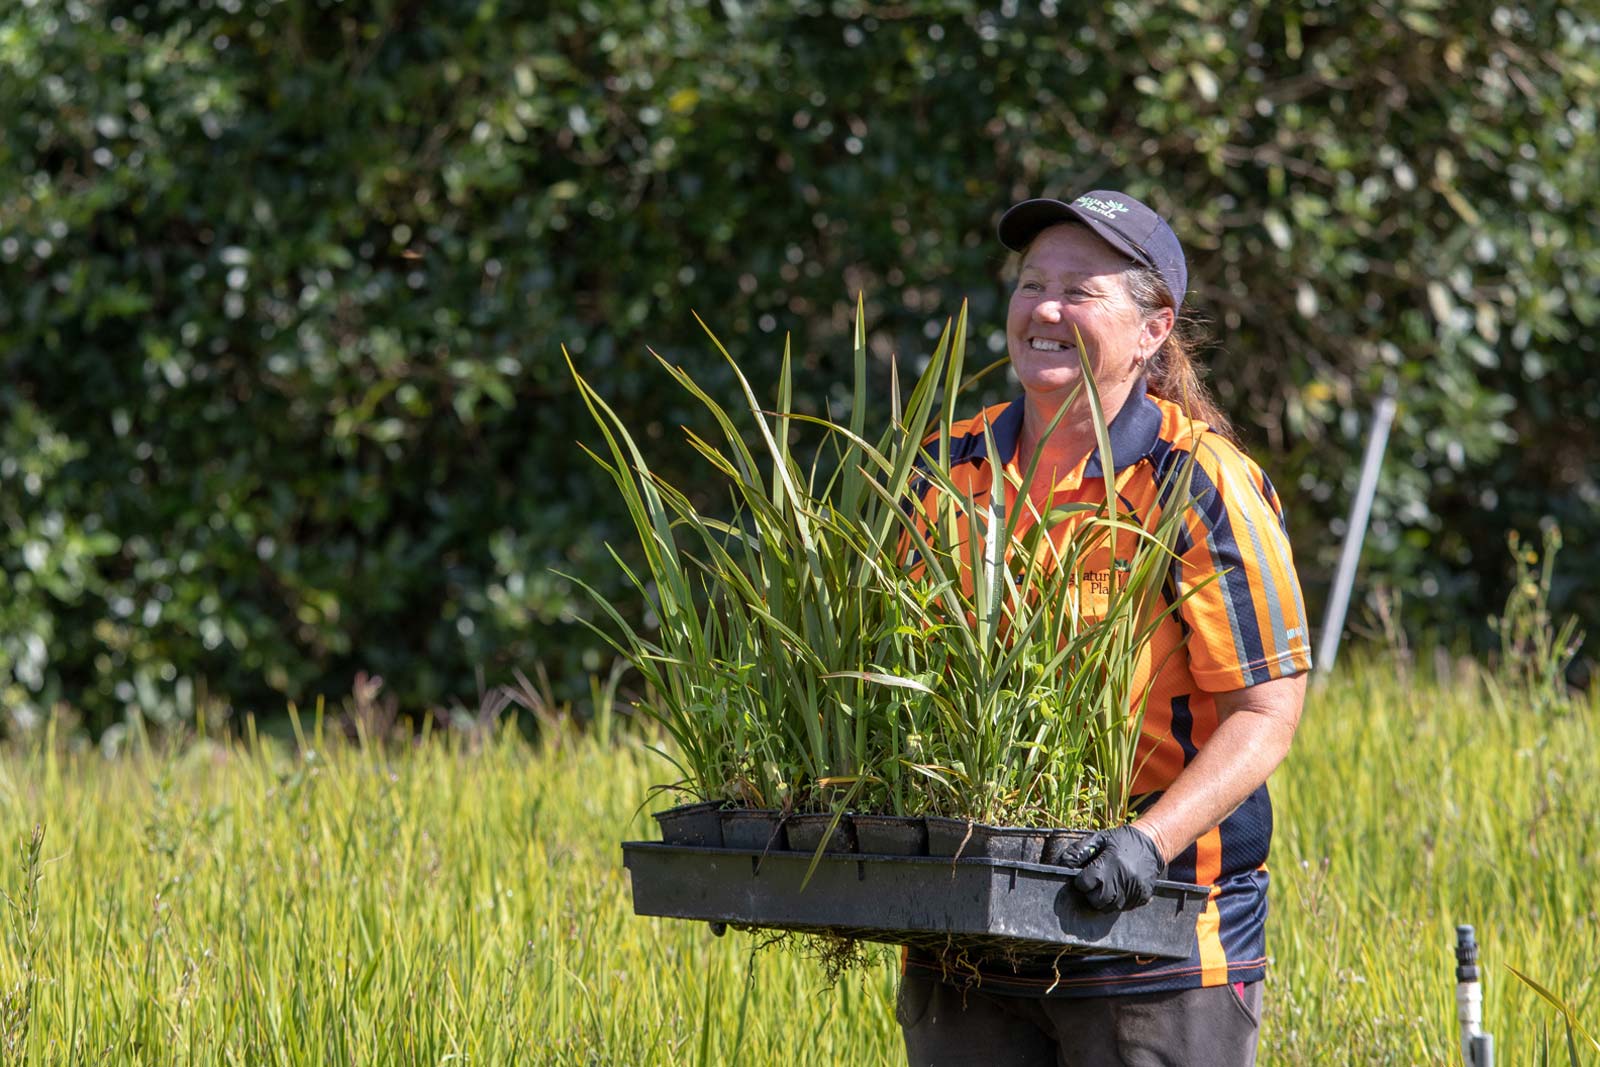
1243, 624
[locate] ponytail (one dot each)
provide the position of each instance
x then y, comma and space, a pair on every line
1172, 372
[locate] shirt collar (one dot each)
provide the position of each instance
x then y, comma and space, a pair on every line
1134, 432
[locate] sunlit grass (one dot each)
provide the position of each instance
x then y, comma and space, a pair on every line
437, 905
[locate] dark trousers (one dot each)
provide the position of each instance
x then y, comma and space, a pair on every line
946, 1027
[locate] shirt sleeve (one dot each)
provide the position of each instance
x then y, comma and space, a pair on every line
1243, 609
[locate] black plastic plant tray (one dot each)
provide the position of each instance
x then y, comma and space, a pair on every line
930, 901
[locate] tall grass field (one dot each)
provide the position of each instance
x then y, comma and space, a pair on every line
442, 902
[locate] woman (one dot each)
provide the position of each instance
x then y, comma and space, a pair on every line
1227, 695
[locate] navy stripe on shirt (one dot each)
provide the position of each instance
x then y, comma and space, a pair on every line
1247, 833
1183, 727
1227, 561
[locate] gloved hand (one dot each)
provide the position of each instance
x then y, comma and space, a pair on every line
1120, 868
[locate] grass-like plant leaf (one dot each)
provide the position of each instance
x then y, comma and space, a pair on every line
857, 630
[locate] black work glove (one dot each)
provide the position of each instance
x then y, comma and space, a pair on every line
1120, 868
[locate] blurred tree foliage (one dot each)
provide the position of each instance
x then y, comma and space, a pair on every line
285, 281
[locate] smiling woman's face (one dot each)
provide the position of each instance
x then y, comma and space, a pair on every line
1070, 278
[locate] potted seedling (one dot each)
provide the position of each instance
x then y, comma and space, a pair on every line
871, 682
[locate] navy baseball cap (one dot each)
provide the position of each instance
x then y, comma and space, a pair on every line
1117, 219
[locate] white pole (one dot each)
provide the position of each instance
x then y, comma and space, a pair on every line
1477, 1047
1360, 511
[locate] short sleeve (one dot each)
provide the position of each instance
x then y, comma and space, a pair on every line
1244, 610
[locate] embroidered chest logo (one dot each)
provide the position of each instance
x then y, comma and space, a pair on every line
1098, 582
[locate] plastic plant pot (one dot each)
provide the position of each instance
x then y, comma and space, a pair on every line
752, 828
891, 835
975, 840
806, 833
692, 824
1056, 845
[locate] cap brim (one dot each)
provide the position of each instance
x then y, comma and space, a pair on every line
1023, 222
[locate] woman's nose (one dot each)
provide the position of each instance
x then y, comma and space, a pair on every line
1047, 311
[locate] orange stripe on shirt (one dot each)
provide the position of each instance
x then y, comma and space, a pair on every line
1208, 927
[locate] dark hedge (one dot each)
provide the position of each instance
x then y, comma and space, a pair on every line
285, 284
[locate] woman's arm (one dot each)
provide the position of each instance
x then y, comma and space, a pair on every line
1254, 729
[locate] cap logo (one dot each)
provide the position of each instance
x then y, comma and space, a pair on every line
1106, 209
